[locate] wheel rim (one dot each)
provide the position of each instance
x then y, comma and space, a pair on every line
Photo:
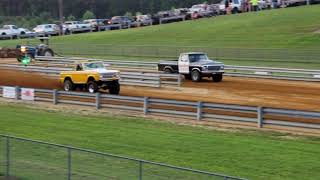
195, 76
91, 89
47, 53
67, 87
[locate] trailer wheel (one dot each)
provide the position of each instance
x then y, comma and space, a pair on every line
92, 87
217, 77
196, 76
47, 52
114, 88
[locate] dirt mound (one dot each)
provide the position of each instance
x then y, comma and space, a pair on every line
8, 53
24, 79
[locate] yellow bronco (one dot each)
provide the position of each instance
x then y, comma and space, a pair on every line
91, 76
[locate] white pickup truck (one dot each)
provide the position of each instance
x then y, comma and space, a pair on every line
194, 66
76, 26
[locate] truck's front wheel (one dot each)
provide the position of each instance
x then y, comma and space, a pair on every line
217, 77
114, 88
92, 87
196, 76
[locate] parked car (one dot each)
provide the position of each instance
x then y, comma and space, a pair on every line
97, 24
76, 26
47, 29
144, 20
235, 6
124, 21
194, 65
10, 31
200, 10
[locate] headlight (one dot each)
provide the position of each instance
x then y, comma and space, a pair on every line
204, 68
23, 49
222, 67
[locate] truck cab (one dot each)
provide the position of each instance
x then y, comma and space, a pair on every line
194, 66
91, 76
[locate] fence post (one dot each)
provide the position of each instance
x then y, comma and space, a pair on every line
140, 170
69, 163
17, 91
145, 105
260, 117
7, 157
98, 100
55, 97
199, 111
179, 80
159, 81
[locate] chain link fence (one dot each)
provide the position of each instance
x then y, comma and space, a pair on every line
27, 159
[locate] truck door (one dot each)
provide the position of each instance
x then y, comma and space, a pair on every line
184, 64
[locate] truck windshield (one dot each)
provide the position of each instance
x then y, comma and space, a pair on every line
96, 65
197, 57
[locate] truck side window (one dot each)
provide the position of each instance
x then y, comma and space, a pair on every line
184, 58
78, 68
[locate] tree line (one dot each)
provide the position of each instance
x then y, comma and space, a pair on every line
101, 8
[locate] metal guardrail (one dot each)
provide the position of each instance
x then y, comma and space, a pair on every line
145, 79
240, 71
200, 111
26, 158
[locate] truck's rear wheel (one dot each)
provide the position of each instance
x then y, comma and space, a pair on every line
114, 88
92, 87
68, 85
217, 77
167, 71
196, 76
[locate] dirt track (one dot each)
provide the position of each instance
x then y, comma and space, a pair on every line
243, 91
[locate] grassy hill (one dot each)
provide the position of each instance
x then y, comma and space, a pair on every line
282, 28
292, 34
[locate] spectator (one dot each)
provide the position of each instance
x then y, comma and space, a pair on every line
226, 4
245, 6
274, 4
254, 5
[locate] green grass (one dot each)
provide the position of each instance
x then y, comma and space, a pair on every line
249, 154
281, 37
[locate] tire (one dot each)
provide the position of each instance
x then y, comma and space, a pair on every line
167, 71
47, 52
196, 76
68, 85
217, 77
92, 87
114, 88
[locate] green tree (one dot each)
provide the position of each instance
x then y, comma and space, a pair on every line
88, 15
71, 18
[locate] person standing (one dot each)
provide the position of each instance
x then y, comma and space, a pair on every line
227, 5
255, 5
